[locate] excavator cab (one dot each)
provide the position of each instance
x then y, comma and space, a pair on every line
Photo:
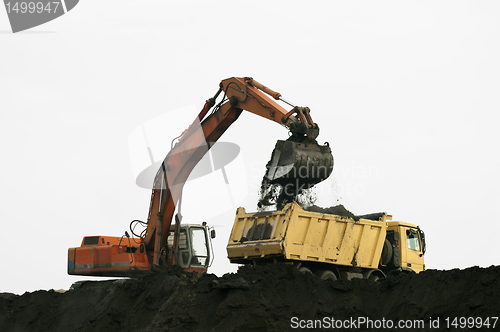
193, 248
110, 256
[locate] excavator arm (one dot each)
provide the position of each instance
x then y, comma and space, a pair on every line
239, 94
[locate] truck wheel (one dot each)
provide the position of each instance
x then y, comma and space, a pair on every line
305, 270
326, 275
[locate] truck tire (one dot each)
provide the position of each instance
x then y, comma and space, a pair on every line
374, 275
305, 270
386, 253
326, 275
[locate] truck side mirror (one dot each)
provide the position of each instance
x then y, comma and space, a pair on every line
212, 234
422, 238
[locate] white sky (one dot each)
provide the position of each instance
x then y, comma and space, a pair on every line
406, 93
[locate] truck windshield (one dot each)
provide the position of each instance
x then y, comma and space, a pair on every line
200, 249
413, 240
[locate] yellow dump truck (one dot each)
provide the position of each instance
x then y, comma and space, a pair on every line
331, 246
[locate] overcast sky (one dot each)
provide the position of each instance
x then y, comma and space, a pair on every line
406, 94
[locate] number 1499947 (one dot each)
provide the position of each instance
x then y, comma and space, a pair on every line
471, 322
33, 7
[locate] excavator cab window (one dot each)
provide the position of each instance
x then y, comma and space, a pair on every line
183, 243
413, 239
200, 247
183, 247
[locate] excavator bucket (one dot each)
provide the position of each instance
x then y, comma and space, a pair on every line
300, 165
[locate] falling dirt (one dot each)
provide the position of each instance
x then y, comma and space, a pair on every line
277, 194
261, 298
274, 195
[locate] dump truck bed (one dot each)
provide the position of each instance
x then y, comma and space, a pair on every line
298, 235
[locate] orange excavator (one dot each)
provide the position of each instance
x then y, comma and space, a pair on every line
297, 163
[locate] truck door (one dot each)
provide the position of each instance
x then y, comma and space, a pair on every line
413, 248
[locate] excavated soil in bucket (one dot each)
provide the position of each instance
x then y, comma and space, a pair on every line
311, 162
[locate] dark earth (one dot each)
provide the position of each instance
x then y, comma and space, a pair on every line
260, 298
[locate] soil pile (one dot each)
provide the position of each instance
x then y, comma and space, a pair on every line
262, 298
338, 210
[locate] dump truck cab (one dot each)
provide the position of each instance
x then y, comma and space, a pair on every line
408, 244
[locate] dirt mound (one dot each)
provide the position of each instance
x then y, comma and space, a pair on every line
338, 210
265, 298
